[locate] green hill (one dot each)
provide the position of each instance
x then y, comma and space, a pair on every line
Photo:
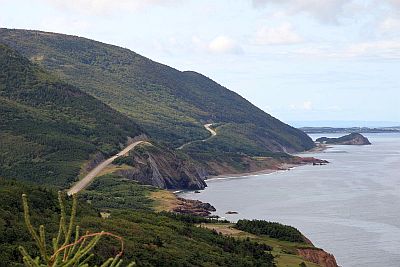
151, 239
48, 128
170, 105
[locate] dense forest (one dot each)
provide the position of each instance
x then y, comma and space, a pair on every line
151, 239
48, 127
271, 229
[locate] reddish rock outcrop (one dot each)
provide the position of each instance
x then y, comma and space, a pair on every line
318, 256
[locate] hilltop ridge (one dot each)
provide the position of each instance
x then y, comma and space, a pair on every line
171, 105
52, 132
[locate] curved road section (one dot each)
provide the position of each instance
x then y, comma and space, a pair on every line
208, 128
213, 133
83, 183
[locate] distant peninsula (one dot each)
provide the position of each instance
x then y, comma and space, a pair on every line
318, 130
350, 139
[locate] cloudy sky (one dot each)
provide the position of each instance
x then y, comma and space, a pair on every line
300, 60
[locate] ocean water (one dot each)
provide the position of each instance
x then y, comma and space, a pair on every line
350, 207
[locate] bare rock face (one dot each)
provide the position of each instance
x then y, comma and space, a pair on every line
318, 256
350, 139
163, 168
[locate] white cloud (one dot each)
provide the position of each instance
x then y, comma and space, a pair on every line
283, 34
306, 105
325, 11
329, 11
224, 44
395, 3
384, 49
389, 25
101, 7
219, 45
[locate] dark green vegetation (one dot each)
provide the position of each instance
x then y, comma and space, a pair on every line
110, 192
171, 105
150, 239
189, 218
239, 133
271, 229
69, 246
350, 139
48, 127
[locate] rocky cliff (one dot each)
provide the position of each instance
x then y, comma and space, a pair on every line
318, 256
162, 167
350, 139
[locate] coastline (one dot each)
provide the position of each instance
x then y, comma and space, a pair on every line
187, 206
312, 254
283, 167
286, 166
296, 161
318, 148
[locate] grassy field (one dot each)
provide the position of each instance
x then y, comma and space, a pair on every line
163, 200
285, 252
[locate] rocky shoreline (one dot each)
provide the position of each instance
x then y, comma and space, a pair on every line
193, 207
196, 207
203, 209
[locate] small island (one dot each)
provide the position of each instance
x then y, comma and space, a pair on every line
350, 139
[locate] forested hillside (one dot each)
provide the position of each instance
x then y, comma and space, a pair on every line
171, 105
151, 239
48, 128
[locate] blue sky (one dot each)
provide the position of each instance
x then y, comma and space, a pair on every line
300, 60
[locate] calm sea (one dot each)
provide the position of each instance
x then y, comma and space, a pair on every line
350, 207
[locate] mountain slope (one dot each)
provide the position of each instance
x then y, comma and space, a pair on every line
48, 128
171, 105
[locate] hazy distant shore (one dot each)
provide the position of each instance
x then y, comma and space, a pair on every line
282, 167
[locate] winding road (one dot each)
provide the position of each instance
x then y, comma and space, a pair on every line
213, 133
83, 183
208, 128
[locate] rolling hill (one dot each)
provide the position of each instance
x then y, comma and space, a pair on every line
67, 101
170, 105
48, 127
51, 132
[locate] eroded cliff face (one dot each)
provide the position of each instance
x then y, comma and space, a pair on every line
163, 168
318, 256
